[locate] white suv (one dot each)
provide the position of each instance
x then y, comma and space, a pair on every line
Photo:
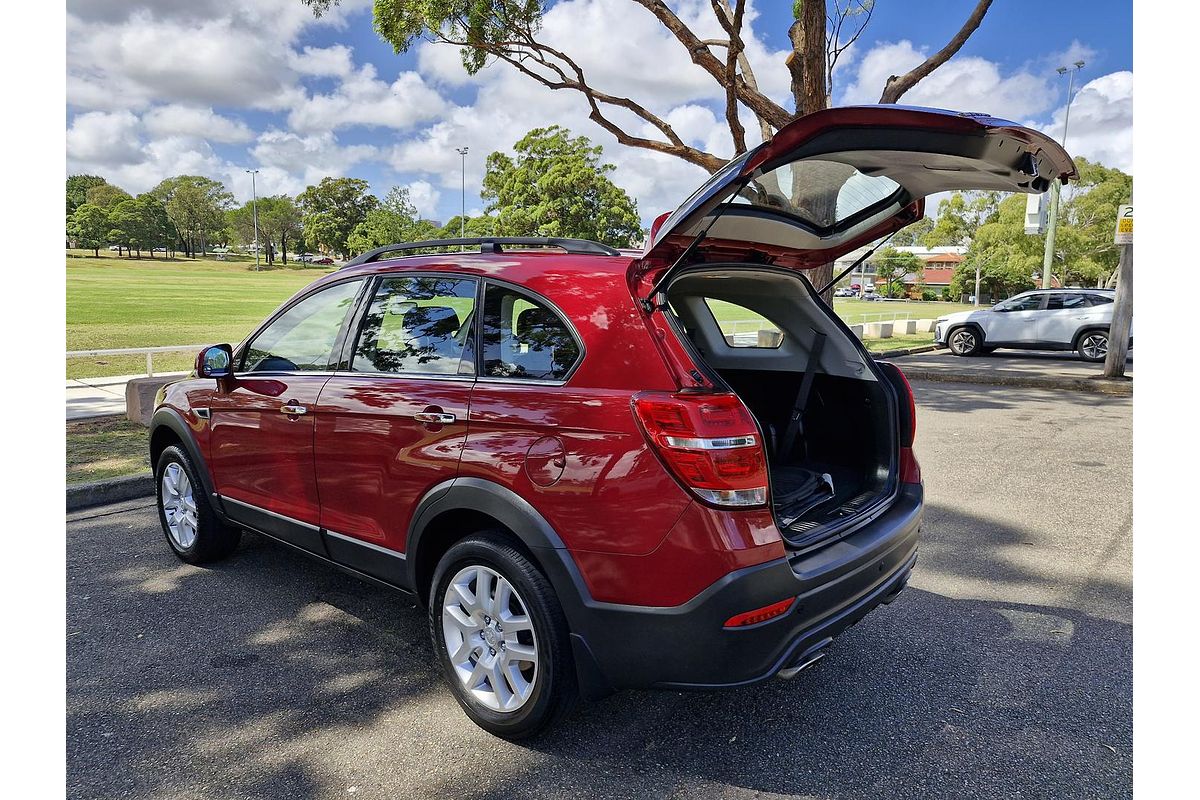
1051, 319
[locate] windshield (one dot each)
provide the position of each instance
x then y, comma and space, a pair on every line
822, 193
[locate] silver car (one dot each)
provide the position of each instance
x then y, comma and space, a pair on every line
1048, 319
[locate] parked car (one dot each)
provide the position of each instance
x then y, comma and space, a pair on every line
558, 452
1048, 319
305, 257
843, 293
322, 260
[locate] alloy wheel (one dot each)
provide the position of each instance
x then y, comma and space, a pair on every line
179, 506
489, 638
963, 341
1094, 346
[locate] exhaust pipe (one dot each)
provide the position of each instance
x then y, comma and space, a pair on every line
806, 660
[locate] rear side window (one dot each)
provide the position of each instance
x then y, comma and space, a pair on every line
1057, 302
301, 339
742, 327
419, 326
523, 338
1099, 299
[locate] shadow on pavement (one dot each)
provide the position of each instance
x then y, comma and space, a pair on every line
273, 676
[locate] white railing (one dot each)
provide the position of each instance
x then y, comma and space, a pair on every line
136, 351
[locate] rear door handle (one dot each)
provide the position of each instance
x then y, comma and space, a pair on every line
435, 417
292, 409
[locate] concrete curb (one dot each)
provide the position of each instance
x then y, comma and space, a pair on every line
98, 493
1120, 388
912, 351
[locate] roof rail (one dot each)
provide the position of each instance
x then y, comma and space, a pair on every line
490, 244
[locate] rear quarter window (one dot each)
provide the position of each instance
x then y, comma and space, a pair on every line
742, 327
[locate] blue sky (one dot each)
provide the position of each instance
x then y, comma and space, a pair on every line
164, 87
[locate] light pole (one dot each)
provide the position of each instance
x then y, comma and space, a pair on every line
1052, 222
254, 210
462, 220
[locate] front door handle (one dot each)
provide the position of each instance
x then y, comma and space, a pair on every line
292, 409
434, 417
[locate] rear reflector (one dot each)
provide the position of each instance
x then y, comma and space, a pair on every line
910, 469
760, 614
709, 442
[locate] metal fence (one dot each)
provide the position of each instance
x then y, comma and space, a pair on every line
149, 352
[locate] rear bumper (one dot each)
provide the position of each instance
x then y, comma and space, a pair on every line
687, 646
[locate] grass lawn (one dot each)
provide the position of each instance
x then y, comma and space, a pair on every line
106, 448
898, 342
124, 302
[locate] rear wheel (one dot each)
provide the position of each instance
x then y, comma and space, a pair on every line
1093, 346
188, 520
501, 638
964, 341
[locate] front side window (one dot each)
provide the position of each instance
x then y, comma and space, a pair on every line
302, 338
419, 326
524, 338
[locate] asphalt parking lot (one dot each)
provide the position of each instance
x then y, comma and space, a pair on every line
1004, 670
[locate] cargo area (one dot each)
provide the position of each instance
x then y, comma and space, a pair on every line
828, 420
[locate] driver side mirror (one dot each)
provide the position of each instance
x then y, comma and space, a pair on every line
215, 361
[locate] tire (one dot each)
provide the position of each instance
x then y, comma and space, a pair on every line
1093, 346
963, 341
532, 694
194, 531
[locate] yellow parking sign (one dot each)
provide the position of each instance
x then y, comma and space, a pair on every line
1124, 233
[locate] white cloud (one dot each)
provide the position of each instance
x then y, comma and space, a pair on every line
107, 140
177, 120
336, 61
312, 156
425, 197
1101, 123
964, 83
362, 99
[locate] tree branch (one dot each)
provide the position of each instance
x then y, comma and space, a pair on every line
898, 85
736, 48
756, 101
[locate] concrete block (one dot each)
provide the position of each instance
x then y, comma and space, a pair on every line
857, 330
139, 397
903, 327
925, 325
877, 330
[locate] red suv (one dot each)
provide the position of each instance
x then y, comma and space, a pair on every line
599, 470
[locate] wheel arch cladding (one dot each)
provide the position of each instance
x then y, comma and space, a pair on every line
1084, 331
167, 427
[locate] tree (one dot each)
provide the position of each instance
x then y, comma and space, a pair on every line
196, 206
77, 187
1090, 212
1006, 256
913, 235
88, 226
333, 209
891, 265
140, 223
960, 216
556, 186
508, 31
395, 220
106, 195
283, 220
484, 225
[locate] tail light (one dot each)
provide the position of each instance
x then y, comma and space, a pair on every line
910, 469
710, 444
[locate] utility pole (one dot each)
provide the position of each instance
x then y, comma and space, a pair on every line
1055, 191
254, 210
1118, 332
462, 220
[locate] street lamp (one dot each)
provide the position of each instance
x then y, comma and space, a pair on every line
1052, 222
462, 220
254, 209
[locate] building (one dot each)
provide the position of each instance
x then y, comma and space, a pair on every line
940, 263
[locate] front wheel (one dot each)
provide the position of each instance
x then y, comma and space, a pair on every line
1093, 346
188, 520
501, 638
964, 342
